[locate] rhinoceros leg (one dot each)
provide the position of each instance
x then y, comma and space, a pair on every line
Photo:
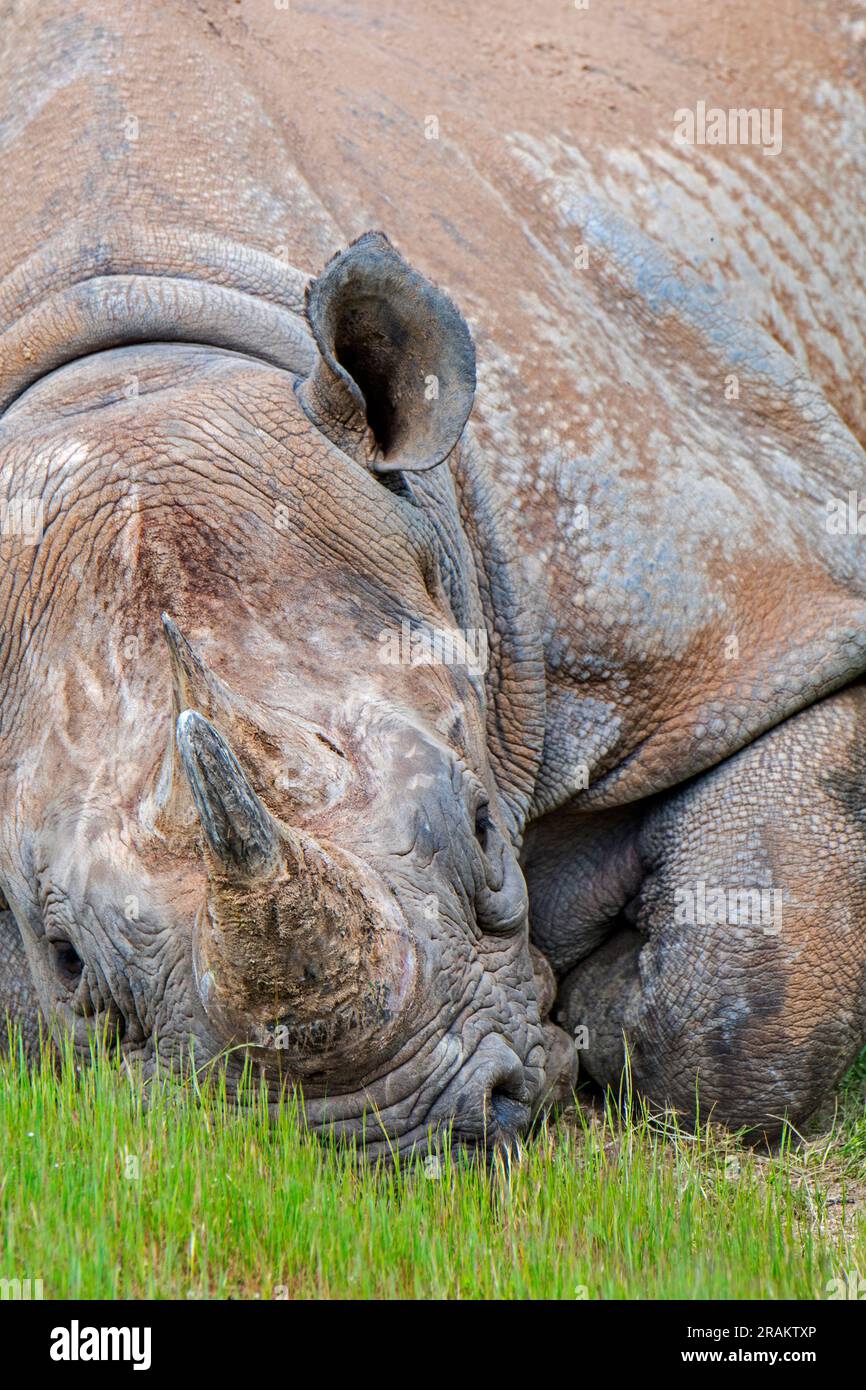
739, 969
17, 995
726, 1054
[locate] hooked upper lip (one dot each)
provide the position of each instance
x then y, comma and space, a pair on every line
489, 1099
512, 1116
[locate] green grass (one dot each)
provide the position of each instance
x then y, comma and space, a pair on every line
111, 1188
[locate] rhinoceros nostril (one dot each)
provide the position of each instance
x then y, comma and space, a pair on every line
510, 1113
489, 1101
506, 1097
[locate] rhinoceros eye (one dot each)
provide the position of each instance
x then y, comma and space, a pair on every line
483, 824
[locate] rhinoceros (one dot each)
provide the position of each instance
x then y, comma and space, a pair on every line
404, 698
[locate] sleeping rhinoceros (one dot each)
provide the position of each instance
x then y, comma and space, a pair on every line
404, 733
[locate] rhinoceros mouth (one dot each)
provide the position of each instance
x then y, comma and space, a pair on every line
500, 1131
486, 1102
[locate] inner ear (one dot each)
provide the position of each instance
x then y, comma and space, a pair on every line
396, 358
373, 342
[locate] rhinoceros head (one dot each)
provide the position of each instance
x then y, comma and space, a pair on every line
279, 828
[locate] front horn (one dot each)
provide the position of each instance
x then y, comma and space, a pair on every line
299, 946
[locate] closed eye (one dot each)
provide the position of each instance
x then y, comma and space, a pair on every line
483, 824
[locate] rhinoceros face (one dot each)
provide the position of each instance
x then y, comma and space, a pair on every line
266, 830
363, 933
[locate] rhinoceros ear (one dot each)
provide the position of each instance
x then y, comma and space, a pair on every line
395, 377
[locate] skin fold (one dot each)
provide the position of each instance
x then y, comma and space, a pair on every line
263, 445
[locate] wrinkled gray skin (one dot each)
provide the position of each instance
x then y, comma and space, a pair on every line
223, 817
